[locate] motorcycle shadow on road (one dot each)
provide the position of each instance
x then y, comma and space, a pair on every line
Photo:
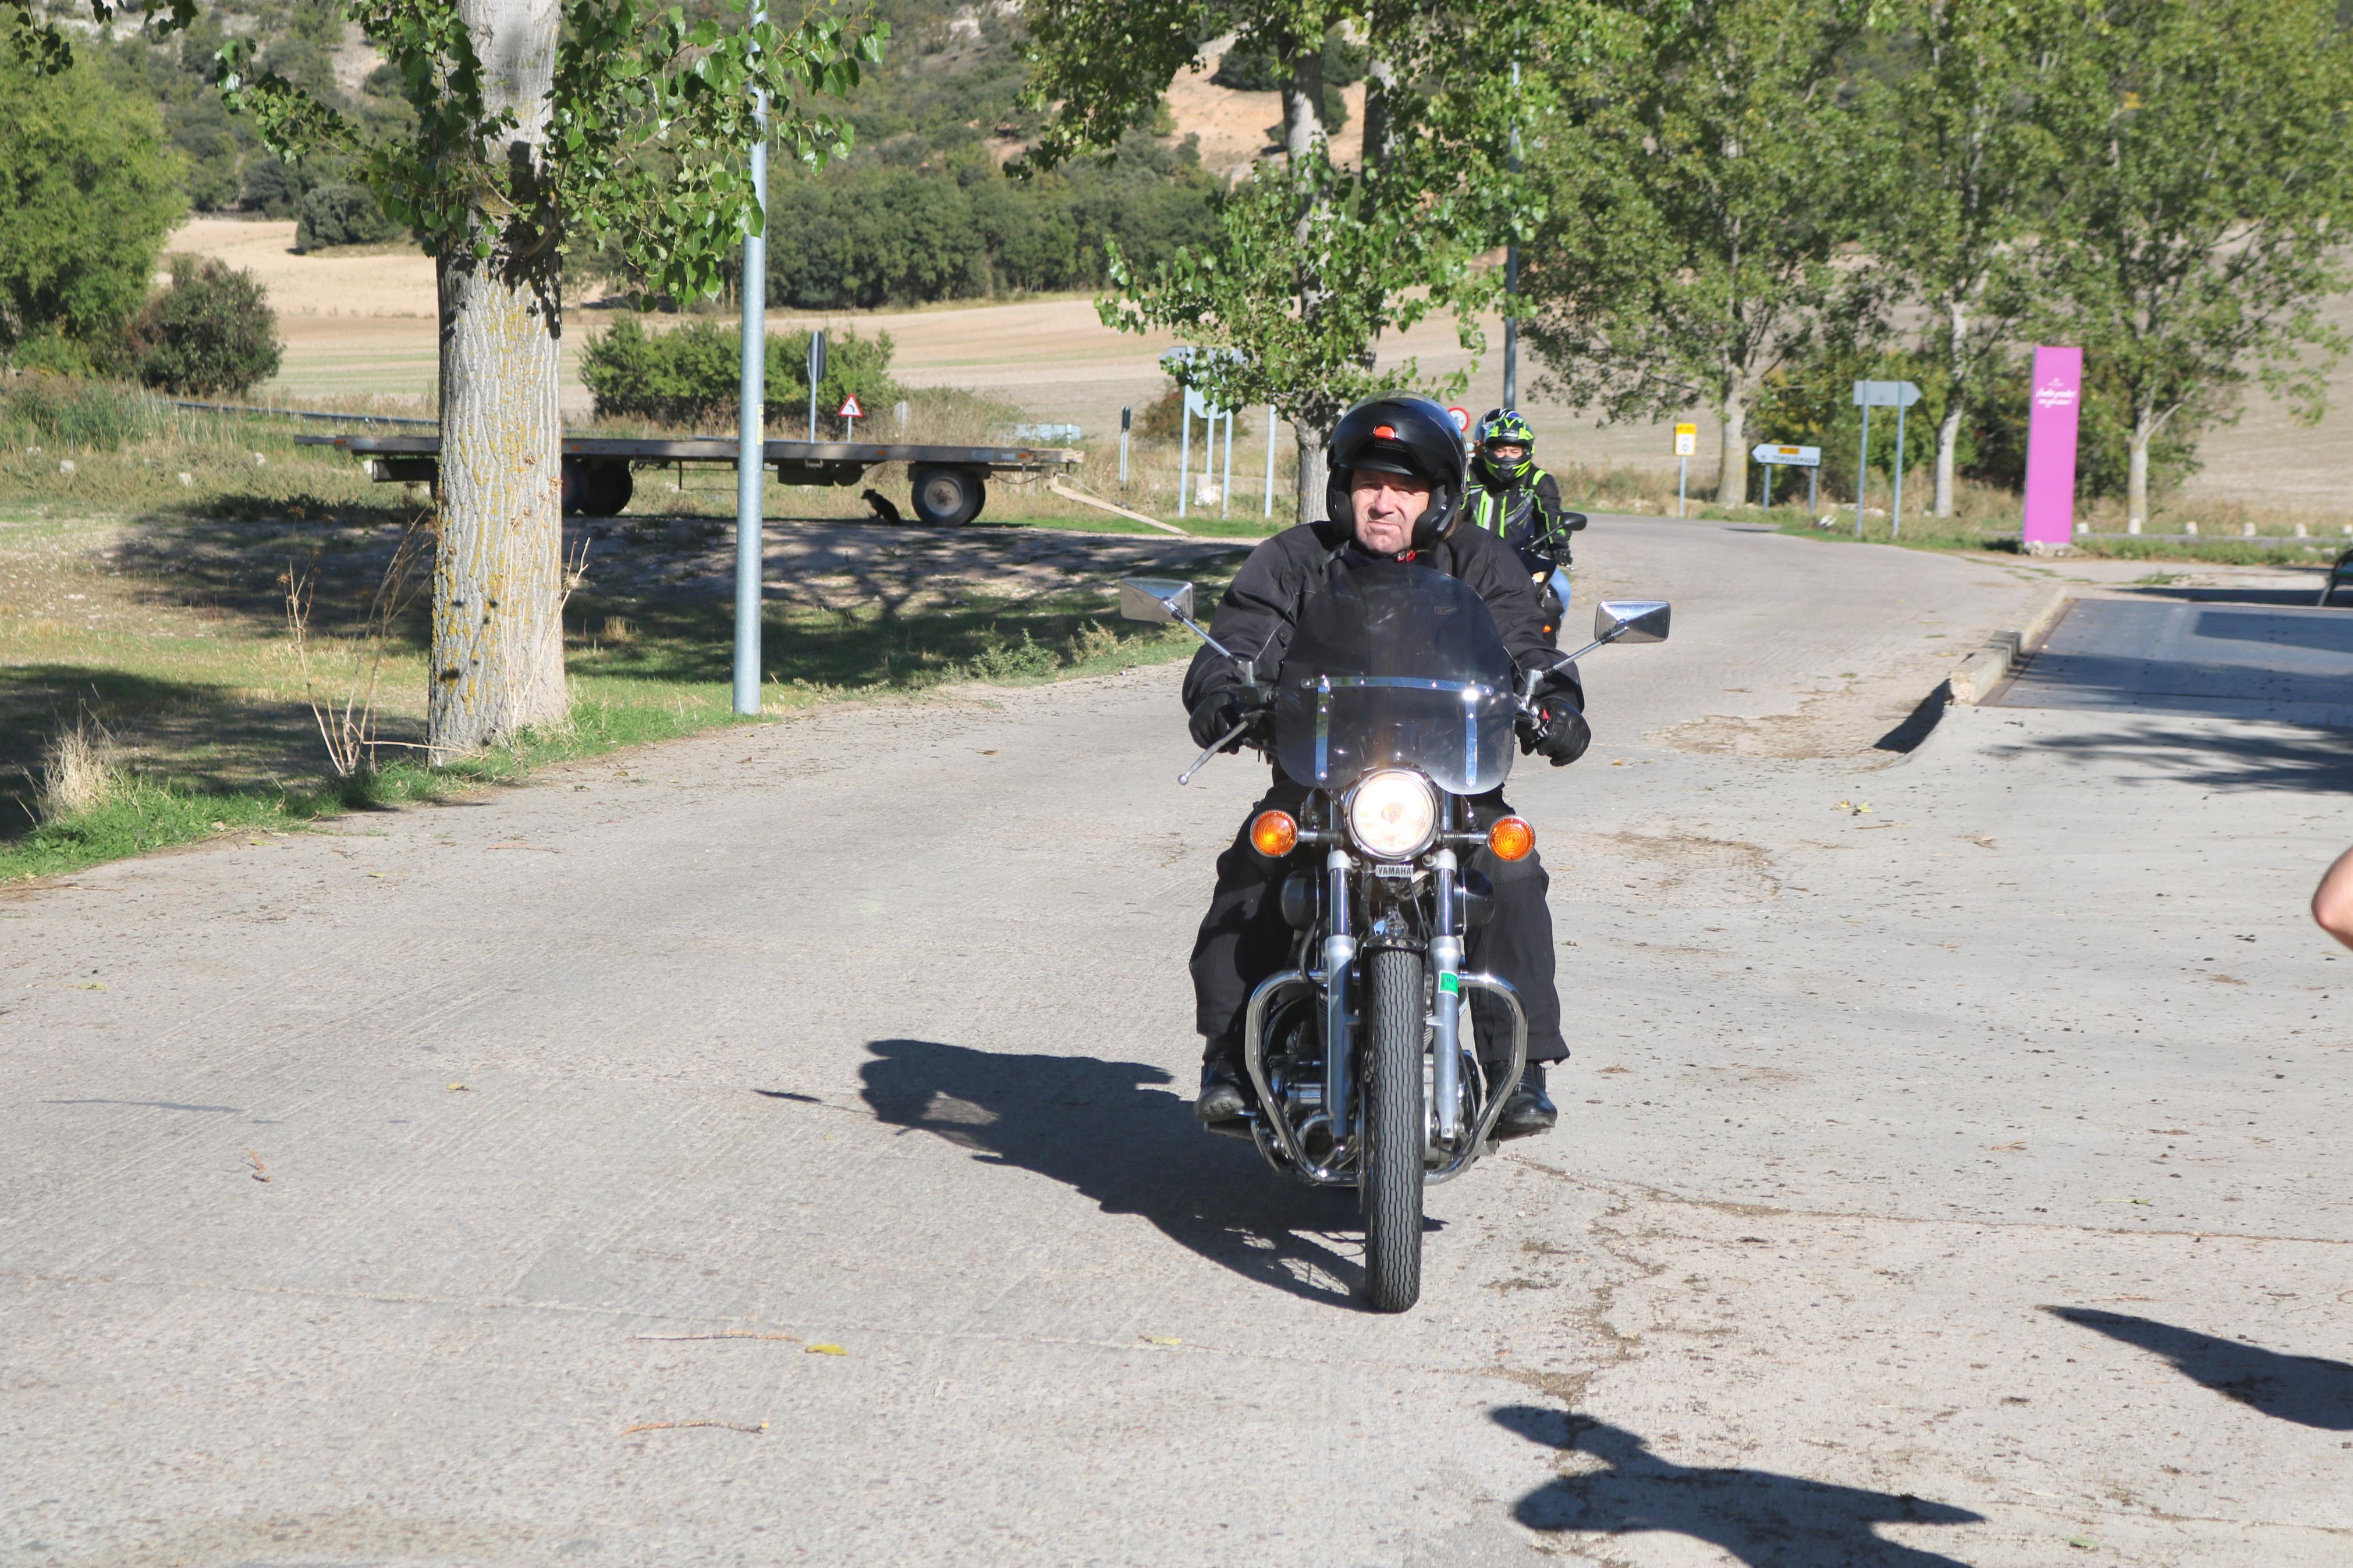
1107, 1131
1756, 1516
2303, 1389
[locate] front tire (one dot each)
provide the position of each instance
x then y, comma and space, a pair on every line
1394, 1128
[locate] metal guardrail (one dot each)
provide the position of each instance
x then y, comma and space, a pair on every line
302, 414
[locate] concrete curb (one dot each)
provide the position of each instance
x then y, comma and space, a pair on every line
1983, 670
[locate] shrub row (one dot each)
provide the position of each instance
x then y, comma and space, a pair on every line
690, 374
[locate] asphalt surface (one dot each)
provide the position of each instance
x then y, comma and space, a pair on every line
2238, 660
1952, 1168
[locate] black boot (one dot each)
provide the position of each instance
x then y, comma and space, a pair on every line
1529, 1110
1222, 1102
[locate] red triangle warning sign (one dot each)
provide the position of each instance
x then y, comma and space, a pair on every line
849, 409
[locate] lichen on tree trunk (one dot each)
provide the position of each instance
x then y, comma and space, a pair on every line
498, 587
498, 579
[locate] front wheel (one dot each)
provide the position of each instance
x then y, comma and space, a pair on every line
1393, 1132
945, 497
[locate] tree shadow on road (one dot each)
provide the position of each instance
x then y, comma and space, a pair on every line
2273, 758
1107, 1131
1756, 1516
2303, 1389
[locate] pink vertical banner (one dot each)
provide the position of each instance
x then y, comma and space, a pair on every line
2051, 446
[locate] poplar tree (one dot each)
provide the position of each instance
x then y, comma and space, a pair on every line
539, 125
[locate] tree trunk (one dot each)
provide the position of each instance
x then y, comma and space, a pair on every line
2137, 471
1305, 141
1309, 494
1948, 429
1949, 441
1732, 481
498, 578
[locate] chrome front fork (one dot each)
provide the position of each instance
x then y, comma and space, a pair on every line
1339, 965
1446, 1000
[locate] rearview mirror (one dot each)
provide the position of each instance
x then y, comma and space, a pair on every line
1632, 620
1159, 599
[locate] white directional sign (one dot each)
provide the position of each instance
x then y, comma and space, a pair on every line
1886, 394
1686, 440
1793, 457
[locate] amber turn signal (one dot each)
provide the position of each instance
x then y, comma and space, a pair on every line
1511, 838
1273, 834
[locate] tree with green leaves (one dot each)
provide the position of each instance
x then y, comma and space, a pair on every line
1977, 161
1699, 182
540, 126
89, 188
2198, 216
1313, 257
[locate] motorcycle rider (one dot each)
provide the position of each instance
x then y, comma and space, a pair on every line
1395, 485
1509, 495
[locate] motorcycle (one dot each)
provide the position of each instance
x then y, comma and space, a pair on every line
1545, 560
1394, 705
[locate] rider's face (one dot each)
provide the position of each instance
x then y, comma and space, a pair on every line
1507, 454
1386, 505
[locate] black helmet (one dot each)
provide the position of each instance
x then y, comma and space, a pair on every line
1408, 436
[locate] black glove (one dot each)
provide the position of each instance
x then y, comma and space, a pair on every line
1559, 731
1225, 708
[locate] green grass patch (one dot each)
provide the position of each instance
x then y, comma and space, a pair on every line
171, 635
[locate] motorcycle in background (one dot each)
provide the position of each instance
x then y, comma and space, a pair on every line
1394, 705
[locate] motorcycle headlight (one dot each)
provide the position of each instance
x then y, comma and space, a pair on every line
1392, 815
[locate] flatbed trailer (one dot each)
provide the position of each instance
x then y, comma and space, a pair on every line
950, 483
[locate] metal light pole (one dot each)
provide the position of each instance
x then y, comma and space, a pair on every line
1511, 279
752, 431
1267, 509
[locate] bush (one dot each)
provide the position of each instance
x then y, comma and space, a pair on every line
211, 331
1159, 421
89, 188
692, 375
341, 214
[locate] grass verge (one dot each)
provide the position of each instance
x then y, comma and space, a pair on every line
169, 633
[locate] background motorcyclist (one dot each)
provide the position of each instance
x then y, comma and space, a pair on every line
1510, 496
1395, 483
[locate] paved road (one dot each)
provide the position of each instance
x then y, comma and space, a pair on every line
1940, 1181
2230, 659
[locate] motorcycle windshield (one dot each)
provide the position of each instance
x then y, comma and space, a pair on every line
1396, 666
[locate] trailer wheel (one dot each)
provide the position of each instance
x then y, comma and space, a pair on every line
945, 497
594, 488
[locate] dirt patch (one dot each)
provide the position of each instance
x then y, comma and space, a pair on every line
1667, 866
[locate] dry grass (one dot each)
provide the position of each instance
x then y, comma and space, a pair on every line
81, 770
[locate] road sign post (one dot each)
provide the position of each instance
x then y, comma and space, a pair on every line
852, 412
1126, 418
1687, 443
1868, 395
1772, 455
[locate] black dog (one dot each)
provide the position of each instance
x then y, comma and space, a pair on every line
883, 511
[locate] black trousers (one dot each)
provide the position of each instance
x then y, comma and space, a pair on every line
1244, 938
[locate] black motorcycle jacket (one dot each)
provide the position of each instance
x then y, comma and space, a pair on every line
1527, 514
1256, 618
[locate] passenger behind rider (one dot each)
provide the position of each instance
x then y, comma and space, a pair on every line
1510, 496
1396, 479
